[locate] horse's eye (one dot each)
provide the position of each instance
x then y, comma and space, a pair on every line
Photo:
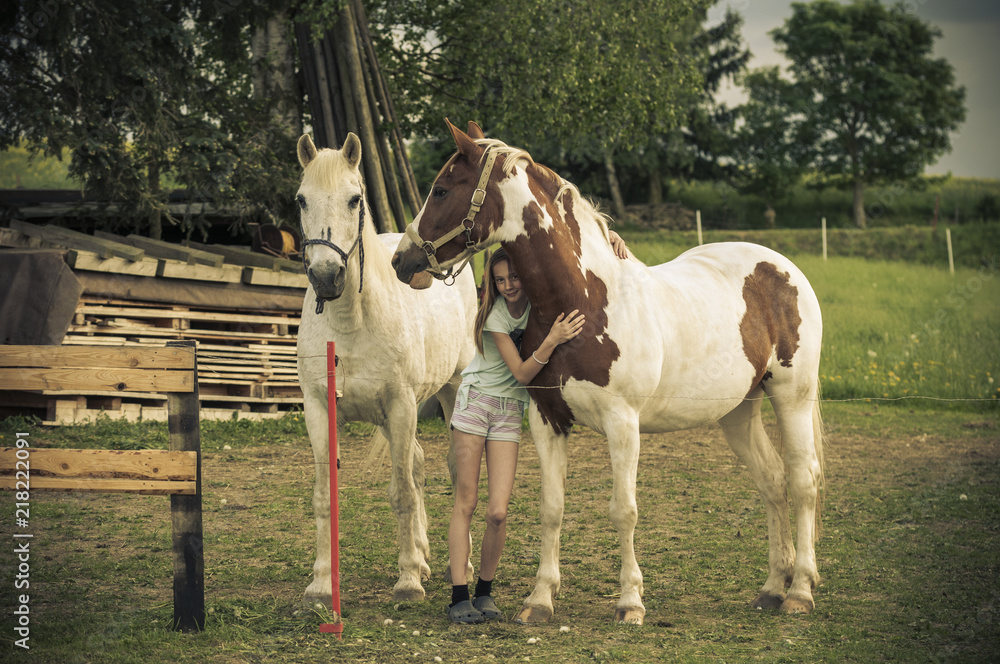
440, 192
301, 201
354, 202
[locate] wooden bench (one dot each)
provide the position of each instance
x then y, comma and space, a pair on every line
170, 369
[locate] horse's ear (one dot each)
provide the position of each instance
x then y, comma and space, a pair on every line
352, 149
463, 142
475, 131
307, 150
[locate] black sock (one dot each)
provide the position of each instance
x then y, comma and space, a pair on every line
459, 594
483, 588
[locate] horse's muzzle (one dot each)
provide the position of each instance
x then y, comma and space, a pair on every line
327, 281
409, 265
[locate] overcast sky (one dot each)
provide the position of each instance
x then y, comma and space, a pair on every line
970, 41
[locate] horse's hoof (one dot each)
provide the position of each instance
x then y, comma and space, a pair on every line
629, 616
533, 614
797, 605
767, 601
317, 602
408, 594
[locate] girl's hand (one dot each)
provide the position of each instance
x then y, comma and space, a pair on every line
618, 245
567, 327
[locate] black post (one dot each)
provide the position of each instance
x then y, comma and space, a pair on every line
185, 511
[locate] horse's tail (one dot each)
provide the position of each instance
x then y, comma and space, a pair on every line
378, 450
818, 435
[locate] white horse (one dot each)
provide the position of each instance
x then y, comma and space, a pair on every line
396, 347
698, 340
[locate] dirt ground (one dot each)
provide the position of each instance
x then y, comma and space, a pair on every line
701, 537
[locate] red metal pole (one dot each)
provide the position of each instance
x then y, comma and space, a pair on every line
337, 627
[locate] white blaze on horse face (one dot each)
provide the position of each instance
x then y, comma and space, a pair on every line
330, 214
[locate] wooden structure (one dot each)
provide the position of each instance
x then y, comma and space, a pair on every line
171, 369
347, 93
242, 308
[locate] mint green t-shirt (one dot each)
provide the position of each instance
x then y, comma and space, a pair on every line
487, 372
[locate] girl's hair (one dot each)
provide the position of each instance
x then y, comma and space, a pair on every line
490, 295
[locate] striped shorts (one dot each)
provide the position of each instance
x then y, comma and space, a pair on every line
493, 418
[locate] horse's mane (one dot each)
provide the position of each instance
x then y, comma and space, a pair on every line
325, 170
588, 208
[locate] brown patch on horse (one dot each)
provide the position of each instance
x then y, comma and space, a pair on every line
771, 322
586, 358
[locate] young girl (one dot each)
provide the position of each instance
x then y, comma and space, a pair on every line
487, 417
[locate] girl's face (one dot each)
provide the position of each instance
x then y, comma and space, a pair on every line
507, 283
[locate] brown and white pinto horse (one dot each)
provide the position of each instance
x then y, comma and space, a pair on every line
698, 340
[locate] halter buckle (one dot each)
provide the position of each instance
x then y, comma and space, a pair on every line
478, 197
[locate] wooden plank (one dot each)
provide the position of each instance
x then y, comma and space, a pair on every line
161, 249
171, 269
258, 277
13, 238
188, 544
147, 487
144, 312
120, 380
239, 255
110, 464
151, 332
77, 240
91, 262
130, 357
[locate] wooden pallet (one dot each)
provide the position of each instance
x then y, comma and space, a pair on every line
247, 357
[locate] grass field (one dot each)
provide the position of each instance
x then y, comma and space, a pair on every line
910, 554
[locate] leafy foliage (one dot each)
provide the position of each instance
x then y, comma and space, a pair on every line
140, 91
570, 76
877, 104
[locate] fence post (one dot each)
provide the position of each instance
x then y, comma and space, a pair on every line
824, 238
951, 257
183, 420
697, 220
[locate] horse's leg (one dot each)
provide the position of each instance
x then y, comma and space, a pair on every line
623, 444
551, 448
317, 424
446, 397
797, 410
405, 496
744, 431
420, 515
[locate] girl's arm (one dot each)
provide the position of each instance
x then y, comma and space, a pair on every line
618, 245
564, 329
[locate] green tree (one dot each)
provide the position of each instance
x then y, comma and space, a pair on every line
701, 147
769, 144
879, 105
581, 78
143, 91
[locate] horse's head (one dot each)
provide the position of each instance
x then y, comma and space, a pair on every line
458, 218
332, 212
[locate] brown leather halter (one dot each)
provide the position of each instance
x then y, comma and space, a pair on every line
444, 270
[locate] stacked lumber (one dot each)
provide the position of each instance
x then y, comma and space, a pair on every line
242, 308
